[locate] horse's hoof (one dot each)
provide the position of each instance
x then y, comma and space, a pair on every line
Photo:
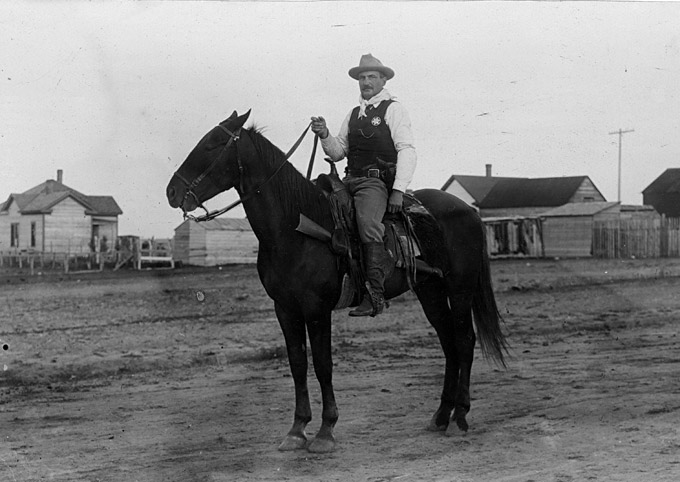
321, 445
433, 427
292, 442
437, 424
460, 428
462, 424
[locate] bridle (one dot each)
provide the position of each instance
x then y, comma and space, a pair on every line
233, 137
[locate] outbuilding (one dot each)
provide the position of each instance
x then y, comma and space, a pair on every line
215, 242
568, 229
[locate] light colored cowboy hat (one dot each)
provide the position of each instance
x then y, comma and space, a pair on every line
368, 62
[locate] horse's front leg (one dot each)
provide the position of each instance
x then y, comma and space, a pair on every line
293, 328
320, 341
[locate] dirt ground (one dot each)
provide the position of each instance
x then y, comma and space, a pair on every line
181, 376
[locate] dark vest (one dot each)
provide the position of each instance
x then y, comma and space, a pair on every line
370, 138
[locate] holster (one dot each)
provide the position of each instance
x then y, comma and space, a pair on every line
388, 172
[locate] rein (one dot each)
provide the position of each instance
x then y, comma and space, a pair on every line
233, 137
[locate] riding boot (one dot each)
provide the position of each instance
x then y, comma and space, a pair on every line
378, 266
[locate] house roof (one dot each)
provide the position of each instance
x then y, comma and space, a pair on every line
43, 197
579, 209
539, 192
21, 199
45, 202
668, 181
636, 208
104, 205
477, 186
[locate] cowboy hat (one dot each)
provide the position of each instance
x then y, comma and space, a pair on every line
368, 62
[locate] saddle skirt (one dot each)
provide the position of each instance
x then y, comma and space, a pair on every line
401, 241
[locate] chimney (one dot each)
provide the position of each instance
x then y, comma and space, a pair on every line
488, 170
60, 176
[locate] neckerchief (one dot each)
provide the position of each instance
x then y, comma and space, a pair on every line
374, 101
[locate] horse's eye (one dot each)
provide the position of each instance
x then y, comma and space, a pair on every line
211, 146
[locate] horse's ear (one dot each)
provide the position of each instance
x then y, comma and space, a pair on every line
236, 119
242, 119
233, 116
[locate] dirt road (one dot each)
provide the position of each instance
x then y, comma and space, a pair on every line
182, 376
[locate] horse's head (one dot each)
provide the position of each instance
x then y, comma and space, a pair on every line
210, 168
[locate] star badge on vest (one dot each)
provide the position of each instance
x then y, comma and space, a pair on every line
376, 121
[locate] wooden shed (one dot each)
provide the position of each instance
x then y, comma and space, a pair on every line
216, 242
53, 217
568, 229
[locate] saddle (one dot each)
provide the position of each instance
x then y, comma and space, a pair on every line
401, 241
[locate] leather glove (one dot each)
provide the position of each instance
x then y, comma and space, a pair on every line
395, 202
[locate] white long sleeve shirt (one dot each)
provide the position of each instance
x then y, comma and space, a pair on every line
399, 122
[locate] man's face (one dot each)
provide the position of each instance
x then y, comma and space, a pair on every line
371, 83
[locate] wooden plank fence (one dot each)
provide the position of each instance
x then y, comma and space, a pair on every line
36, 262
636, 238
33, 262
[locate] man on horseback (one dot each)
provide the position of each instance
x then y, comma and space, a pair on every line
377, 140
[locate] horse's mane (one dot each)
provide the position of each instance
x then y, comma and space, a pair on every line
295, 193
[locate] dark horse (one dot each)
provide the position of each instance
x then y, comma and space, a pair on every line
302, 274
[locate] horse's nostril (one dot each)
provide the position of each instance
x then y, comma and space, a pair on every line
171, 192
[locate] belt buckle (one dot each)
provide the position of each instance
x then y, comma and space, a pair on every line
373, 173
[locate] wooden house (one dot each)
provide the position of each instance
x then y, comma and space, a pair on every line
512, 197
53, 217
216, 242
532, 197
664, 193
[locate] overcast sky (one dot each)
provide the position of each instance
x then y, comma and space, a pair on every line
116, 94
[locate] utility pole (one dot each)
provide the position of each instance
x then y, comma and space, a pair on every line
620, 133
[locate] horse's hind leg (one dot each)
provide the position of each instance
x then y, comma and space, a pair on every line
452, 321
293, 330
461, 306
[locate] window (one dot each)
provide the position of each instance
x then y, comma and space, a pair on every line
14, 235
33, 234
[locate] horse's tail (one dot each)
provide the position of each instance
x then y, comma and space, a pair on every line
487, 317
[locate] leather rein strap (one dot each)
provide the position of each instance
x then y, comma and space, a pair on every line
233, 138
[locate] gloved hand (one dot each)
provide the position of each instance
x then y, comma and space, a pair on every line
395, 202
319, 127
